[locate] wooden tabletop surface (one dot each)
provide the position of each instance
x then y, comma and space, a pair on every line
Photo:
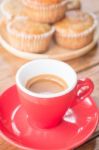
86, 66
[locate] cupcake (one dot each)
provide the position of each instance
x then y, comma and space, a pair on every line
46, 13
76, 30
28, 36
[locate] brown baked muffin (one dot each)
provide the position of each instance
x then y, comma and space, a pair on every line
45, 2
47, 13
26, 35
76, 30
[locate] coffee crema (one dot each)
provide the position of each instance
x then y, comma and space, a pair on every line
46, 84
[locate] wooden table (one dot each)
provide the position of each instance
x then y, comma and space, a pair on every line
86, 66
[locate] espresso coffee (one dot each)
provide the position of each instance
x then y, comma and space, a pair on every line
46, 84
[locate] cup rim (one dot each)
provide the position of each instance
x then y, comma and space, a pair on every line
48, 96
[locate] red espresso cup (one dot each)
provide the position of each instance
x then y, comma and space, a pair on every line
46, 111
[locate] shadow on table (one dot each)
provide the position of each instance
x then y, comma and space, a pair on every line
88, 146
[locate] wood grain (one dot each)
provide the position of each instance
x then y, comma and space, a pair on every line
92, 145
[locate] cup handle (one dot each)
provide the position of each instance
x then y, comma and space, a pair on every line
84, 89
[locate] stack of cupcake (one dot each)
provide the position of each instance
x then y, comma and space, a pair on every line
32, 26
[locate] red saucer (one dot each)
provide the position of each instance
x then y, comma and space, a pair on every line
78, 125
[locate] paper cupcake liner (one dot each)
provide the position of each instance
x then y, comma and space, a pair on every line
27, 36
33, 45
74, 43
42, 6
82, 34
48, 13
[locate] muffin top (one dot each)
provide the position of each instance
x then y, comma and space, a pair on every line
27, 26
45, 2
75, 22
